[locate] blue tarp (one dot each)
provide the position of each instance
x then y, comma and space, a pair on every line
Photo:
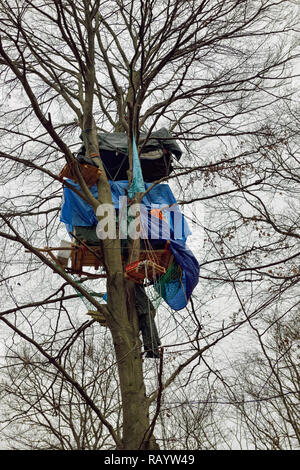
76, 212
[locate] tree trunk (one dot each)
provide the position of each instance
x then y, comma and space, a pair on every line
122, 321
125, 333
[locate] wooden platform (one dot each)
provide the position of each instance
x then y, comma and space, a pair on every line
150, 265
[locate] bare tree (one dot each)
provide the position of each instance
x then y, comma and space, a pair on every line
41, 409
268, 392
209, 71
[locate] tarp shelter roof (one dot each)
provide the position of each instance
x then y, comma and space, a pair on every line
117, 141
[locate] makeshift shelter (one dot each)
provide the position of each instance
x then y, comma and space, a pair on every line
156, 154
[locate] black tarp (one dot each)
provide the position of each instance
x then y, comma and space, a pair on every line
156, 154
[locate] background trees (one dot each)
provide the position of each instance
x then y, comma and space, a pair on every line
218, 75
44, 411
269, 387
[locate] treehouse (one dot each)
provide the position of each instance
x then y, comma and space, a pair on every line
164, 259
159, 255
85, 251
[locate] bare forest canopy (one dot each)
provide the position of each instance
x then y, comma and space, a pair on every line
221, 77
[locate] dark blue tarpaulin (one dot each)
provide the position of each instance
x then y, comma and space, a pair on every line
76, 212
